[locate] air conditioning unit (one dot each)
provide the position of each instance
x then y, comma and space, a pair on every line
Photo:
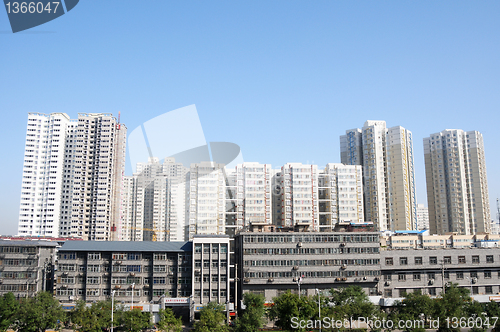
342, 244
299, 244
343, 267
379, 292
376, 279
431, 282
337, 279
132, 274
197, 272
246, 280
344, 279
364, 278
270, 279
118, 286
387, 283
296, 267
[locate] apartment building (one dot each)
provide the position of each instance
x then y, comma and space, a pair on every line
340, 196
254, 197
207, 199
386, 155
272, 263
72, 180
97, 163
299, 196
155, 202
422, 217
457, 187
26, 266
44, 194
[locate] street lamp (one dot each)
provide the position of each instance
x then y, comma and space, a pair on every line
299, 281
112, 307
319, 307
132, 306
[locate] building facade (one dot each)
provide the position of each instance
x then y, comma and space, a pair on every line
72, 180
386, 155
457, 187
422, 217
276, 262
26, 267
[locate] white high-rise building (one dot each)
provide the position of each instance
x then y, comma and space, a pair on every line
340, 192
156, 202
254, 201
299, 196
386, 155
42, 193
74, 183
422, 217
207, 199
457, 187
97, 171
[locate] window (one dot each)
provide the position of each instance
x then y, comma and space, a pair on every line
416, 276
159, 280
475, 290
134, 257
475, 259
447, 259
487, 274
223, 248
418, 260
94, 255
387, 277
215, 249
206, 249
403, 260
432, 291
197, 248
431, 275
488, 290
402, 292
401, 277
460, 275
389, 261
461, 260
473, 274
433, 260
388, 293
489, 259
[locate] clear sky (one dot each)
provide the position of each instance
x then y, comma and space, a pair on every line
282, 79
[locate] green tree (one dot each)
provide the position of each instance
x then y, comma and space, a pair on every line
8, 311
168, 322
475, 310
288, 306
212, 319
451, 304
493, 310
253, 316
415, 307
351, 303
39, 313
92, 318
133, 320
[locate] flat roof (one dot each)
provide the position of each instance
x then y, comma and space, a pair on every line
127, 246
29, 243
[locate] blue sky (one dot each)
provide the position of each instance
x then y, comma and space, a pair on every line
282, 79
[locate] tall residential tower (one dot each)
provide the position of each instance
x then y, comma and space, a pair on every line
386, 155
457, 188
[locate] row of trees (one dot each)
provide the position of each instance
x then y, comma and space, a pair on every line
44, 312
351, 303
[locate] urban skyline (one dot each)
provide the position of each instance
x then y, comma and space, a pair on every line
79, 188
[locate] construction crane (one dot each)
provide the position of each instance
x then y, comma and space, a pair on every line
154, 231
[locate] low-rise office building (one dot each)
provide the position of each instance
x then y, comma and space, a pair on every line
26, 266
427, 270
273, 263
